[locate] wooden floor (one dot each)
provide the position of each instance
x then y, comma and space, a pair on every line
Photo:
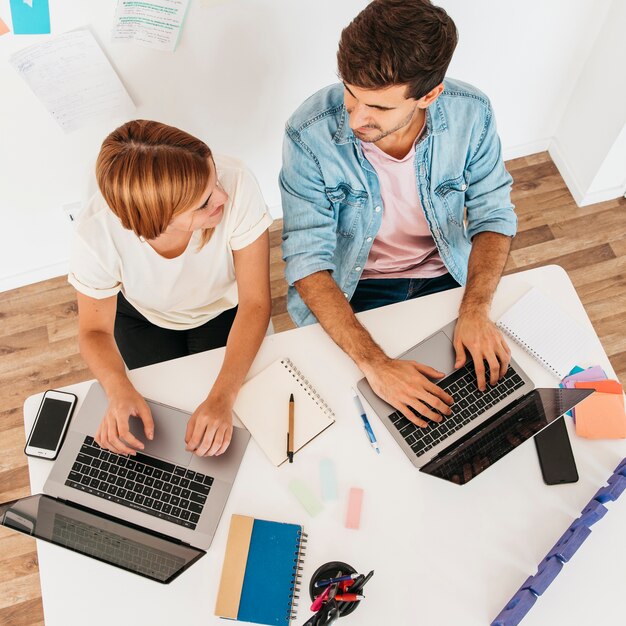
38, 346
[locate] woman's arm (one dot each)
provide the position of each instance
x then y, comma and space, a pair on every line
210, 428
96, 320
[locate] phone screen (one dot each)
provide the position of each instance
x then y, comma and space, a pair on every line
50, 423
555, 454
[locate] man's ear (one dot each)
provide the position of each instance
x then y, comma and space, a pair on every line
430, 97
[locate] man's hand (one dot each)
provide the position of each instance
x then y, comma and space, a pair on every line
210, 428
406, 385
480, 336
113, 433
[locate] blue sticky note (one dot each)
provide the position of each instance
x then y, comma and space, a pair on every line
329, 479
31, 17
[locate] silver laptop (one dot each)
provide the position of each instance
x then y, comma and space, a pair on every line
163, 504
483, 426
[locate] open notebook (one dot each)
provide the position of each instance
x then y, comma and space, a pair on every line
546, 332
263, 406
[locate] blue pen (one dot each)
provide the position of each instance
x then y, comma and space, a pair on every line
366, 423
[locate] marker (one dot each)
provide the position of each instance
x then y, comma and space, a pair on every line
366, 423
317, 603
290, 432
332, 581
349, 597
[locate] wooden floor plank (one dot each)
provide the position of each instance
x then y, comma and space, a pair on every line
39, 349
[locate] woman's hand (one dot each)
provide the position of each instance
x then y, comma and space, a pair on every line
114, 433
210, 427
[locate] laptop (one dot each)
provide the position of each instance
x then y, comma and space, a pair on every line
483, 426
154, 513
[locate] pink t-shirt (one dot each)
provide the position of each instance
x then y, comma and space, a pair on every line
404, 247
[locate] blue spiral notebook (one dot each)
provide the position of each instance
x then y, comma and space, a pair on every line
261, 572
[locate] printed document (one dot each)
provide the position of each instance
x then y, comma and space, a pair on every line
156, 24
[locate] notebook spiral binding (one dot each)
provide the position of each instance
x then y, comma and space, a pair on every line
296, 580
528, 348
308, 387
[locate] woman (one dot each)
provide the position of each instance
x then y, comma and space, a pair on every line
169, 259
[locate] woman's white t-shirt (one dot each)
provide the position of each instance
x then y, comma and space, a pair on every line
180, 293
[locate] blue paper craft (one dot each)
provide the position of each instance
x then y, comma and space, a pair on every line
548, 571
567, 545
516, 609
593, 512
30, 18
617, 485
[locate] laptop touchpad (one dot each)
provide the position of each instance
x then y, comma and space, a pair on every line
169, 435
438, 352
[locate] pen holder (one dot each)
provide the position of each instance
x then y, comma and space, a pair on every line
329, 570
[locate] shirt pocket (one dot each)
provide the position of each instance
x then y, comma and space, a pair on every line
451, 193
348, 206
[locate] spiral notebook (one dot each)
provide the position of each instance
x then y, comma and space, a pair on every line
546, 332
263, 406
261, 576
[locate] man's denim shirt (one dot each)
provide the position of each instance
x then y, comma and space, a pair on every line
332, 208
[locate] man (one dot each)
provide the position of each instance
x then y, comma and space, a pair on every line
393, 187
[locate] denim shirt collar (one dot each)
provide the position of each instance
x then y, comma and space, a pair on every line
435, 124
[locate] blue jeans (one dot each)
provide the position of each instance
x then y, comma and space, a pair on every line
375, 292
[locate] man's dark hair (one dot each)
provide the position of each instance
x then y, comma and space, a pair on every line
397, 42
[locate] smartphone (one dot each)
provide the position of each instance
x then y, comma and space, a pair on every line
555, 454
53, 418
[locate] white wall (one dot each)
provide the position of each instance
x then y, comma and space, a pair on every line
242, 66
590, 143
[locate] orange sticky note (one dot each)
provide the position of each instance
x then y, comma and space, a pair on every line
4, 29
604, 386
601, 416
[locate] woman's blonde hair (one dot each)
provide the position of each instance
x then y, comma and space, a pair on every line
149, 172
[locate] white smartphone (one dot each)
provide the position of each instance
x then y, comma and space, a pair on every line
53, 418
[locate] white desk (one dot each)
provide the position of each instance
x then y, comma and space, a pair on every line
443, 554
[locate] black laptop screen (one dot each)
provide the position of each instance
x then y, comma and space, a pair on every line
470, 456
99, 537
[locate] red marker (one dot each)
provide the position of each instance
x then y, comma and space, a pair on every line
349, 597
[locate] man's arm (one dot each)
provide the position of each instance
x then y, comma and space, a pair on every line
491, 224
474, 330
402, 384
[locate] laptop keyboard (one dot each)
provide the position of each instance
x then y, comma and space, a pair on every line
114, 548
469, 404
142, 482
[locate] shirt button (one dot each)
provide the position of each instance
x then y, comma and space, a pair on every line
357, 269
345, 294
463, 187
377, 209
368, 239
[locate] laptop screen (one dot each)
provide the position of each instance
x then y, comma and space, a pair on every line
473, 454
98, 536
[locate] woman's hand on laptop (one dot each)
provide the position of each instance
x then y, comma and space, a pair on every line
482, 339
210, 427
406, 385
114, 433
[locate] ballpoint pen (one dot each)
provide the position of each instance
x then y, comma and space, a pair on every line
366, 423
290, 431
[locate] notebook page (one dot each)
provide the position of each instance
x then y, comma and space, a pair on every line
263, 407
547, 332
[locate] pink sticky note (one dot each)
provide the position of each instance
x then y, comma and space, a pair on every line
355, 501
4, 29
